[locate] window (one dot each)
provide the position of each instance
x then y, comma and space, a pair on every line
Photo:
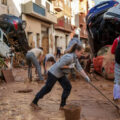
5, 40
65, 1
4, 2
69, 3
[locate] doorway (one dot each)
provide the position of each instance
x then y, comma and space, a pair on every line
45, 39
38, 40
56, 42
30, 39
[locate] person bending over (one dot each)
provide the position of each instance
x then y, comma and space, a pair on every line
33, 56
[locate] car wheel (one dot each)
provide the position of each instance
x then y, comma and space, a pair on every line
104, 74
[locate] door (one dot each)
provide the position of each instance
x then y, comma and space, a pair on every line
45, 45
30, 40
38, 40
56, 37
66, 41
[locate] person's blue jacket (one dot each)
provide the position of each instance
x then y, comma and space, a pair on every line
73, 41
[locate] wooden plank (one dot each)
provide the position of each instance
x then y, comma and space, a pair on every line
8, 76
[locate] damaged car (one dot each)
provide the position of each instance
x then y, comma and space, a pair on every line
100, 31
103, 29
14, 28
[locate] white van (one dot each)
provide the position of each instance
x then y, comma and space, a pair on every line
4, 48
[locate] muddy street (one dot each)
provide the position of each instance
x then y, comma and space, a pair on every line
15, 105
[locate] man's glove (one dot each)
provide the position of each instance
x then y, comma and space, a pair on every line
87, 79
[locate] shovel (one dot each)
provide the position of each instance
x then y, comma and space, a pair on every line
115, 105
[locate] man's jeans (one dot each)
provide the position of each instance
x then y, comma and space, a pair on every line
64, 82
31, 59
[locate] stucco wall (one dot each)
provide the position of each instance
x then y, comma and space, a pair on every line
61, 41
15, 7
33, 25
3, 9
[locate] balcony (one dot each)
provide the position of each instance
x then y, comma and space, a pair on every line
63, 25
38, 11
58, 6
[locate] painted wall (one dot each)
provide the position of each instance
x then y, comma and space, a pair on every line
14, 7
33, 26
3, 9
61, 40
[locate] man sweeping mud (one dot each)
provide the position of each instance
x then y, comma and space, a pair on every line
56, 73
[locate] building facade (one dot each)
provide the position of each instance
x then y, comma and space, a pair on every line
40, 20
83, 10
62, 29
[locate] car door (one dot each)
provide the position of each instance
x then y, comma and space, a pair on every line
98, 61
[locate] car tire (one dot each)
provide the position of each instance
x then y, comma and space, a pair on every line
104, 74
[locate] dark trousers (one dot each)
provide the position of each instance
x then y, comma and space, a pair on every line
64, 82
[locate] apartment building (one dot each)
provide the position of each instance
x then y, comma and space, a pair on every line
39, 17
83, 10
40, 20
62, 29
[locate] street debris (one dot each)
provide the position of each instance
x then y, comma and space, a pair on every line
8, 75
24, 91
92, 105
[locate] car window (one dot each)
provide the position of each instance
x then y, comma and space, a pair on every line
5, 39
103, 51
4, 26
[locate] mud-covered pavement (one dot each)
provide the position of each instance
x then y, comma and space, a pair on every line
16, 106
